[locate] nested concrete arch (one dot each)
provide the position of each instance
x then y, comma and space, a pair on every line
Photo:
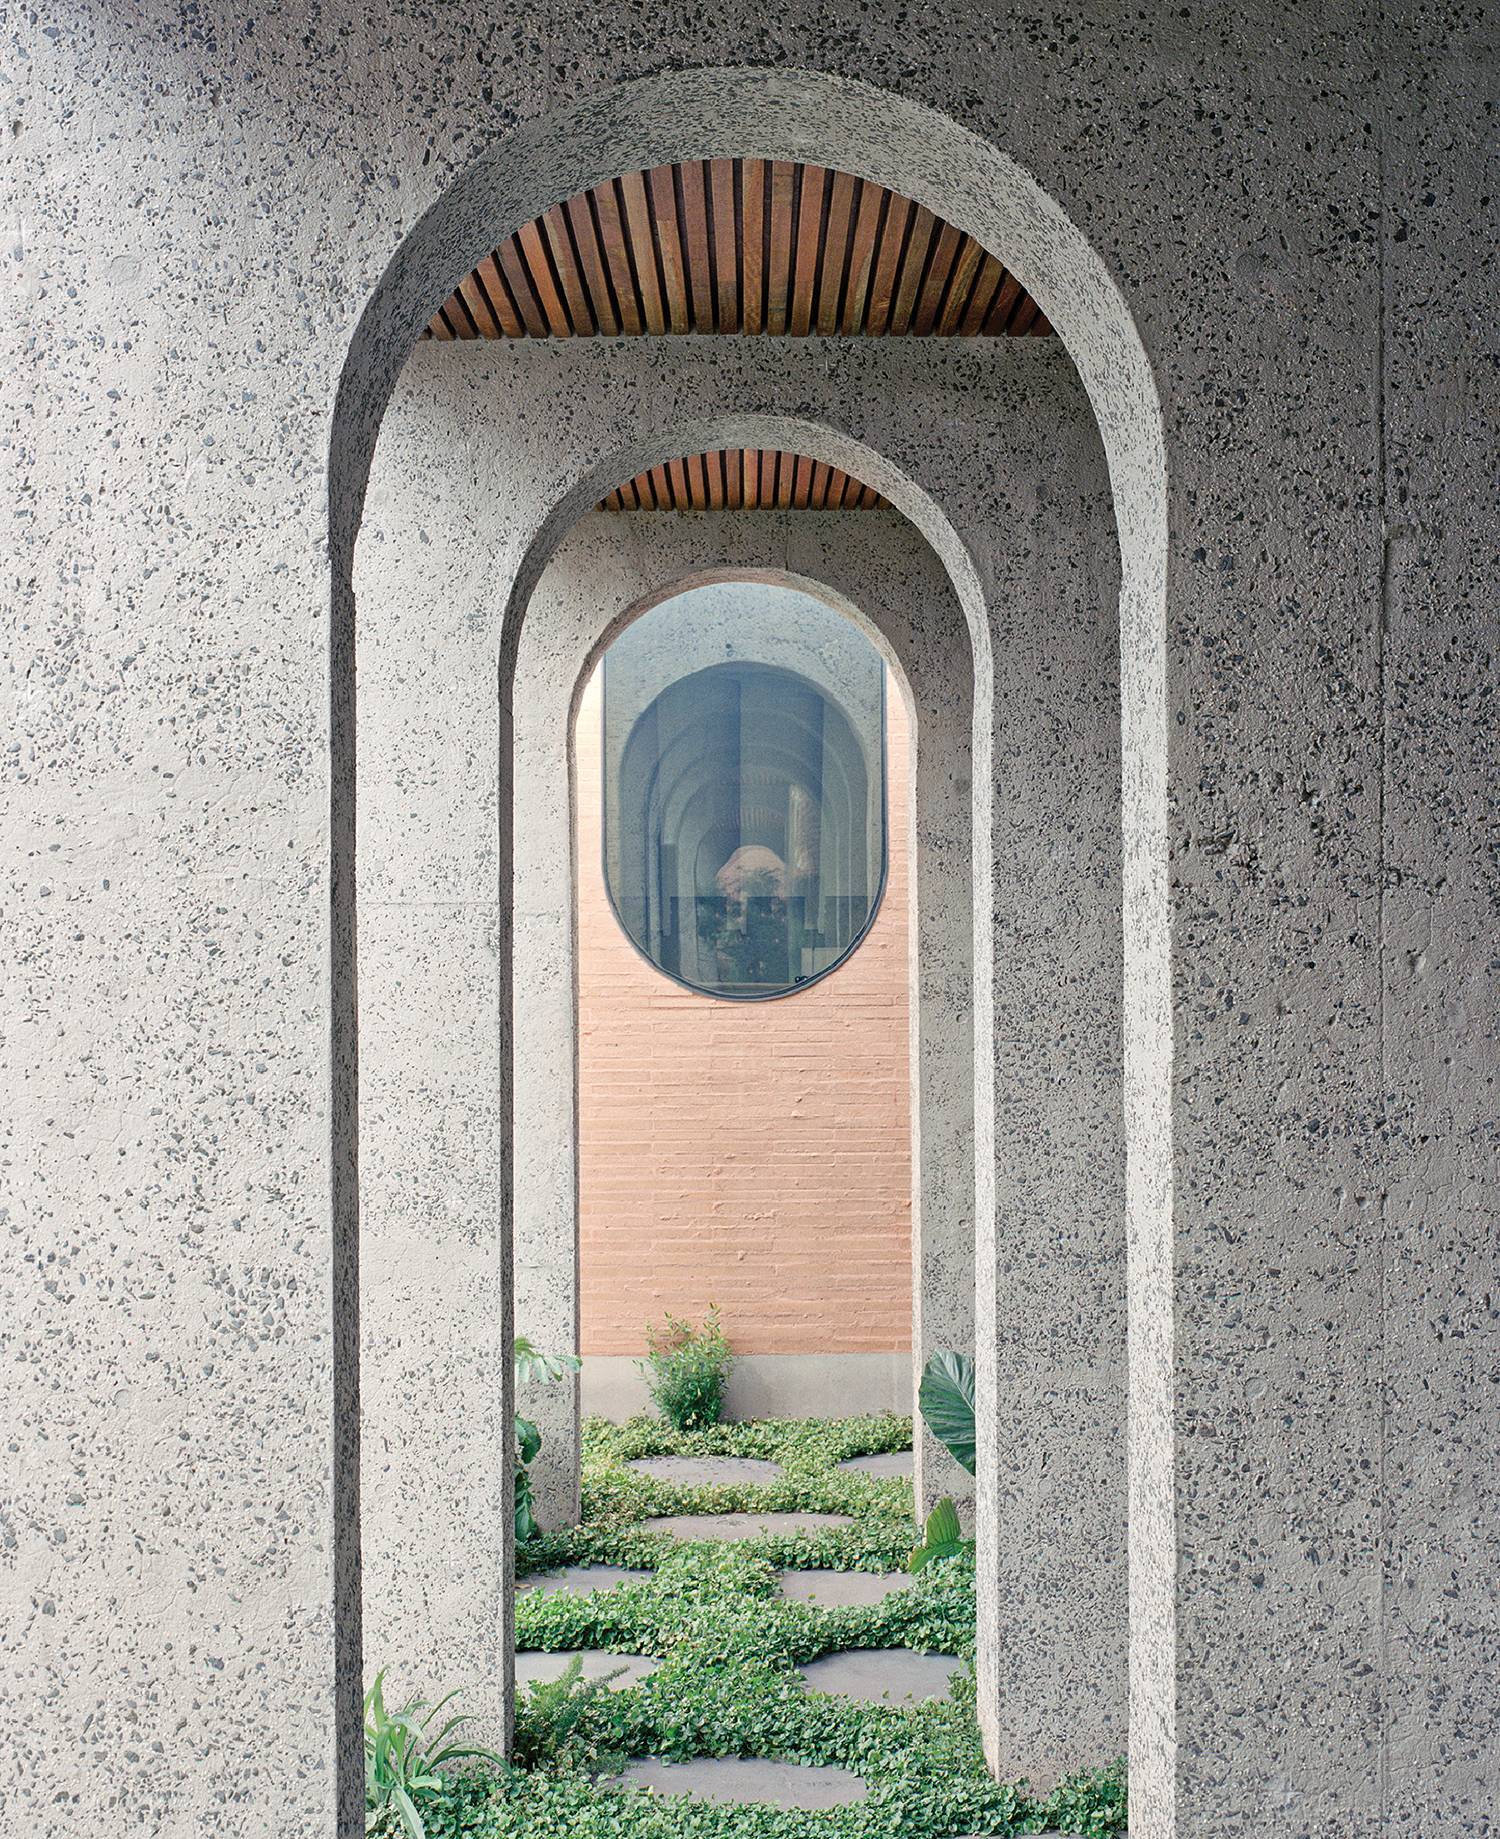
804, 116
450, 556
881, 576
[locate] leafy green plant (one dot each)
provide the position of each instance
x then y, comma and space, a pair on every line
563, 1724
946, 1398
1092, 1803
942, 1537
687, 1369
405, 1756
729, 1647
533, 1368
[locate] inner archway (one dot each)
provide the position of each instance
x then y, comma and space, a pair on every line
742, 801
883, 579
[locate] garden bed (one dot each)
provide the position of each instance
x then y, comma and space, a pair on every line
730, 1646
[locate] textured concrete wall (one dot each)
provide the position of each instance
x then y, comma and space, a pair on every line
1299, 210
434, 600
756, 1156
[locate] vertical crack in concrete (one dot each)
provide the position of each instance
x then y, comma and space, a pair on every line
1382, 311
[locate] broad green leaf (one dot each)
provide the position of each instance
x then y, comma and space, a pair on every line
942, 1537
946, 1397
943, 1526
526, 1526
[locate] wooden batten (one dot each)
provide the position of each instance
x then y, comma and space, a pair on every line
757, 247
744, 479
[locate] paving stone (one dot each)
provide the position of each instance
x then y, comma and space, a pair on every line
882, 1675
535, 1663
744, 1778
883, 1467
843, 1589
740, 1525
707, 1471
580, 1579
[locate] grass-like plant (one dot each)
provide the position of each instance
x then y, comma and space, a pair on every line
687, 1369
405, 1757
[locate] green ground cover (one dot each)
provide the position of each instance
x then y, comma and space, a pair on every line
730, 1647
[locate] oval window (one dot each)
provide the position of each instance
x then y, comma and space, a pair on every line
744, 787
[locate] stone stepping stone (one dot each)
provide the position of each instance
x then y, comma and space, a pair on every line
534, 1664
889, 1464
882, 1675
707, 1471
580, 1579
727, 1779
740, 1525
843, 1589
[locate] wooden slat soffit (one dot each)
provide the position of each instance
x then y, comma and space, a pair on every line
749, 246
744, 479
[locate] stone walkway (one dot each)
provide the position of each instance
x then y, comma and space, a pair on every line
898, 1677
739, 1779
895, 1676
895, 1463
580, 1579
842, 1589
882, 1675
620, 1669
707, 1471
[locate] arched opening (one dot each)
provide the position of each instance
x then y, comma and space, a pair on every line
743, 802
885, 581
700, 115
743, 827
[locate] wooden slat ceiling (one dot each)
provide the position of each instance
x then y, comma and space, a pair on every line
752, 246
748, 479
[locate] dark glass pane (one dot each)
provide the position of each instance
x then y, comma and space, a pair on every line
744, 787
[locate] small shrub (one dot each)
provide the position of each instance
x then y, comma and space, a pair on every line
563, 1724
404, 1757
687, 1369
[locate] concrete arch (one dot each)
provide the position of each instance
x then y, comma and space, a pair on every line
580, 603
802, 116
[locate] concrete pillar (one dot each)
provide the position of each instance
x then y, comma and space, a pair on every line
1051, 1252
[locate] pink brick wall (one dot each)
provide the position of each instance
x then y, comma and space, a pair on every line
754, 1155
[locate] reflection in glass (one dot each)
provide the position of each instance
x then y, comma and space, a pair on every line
744, 799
